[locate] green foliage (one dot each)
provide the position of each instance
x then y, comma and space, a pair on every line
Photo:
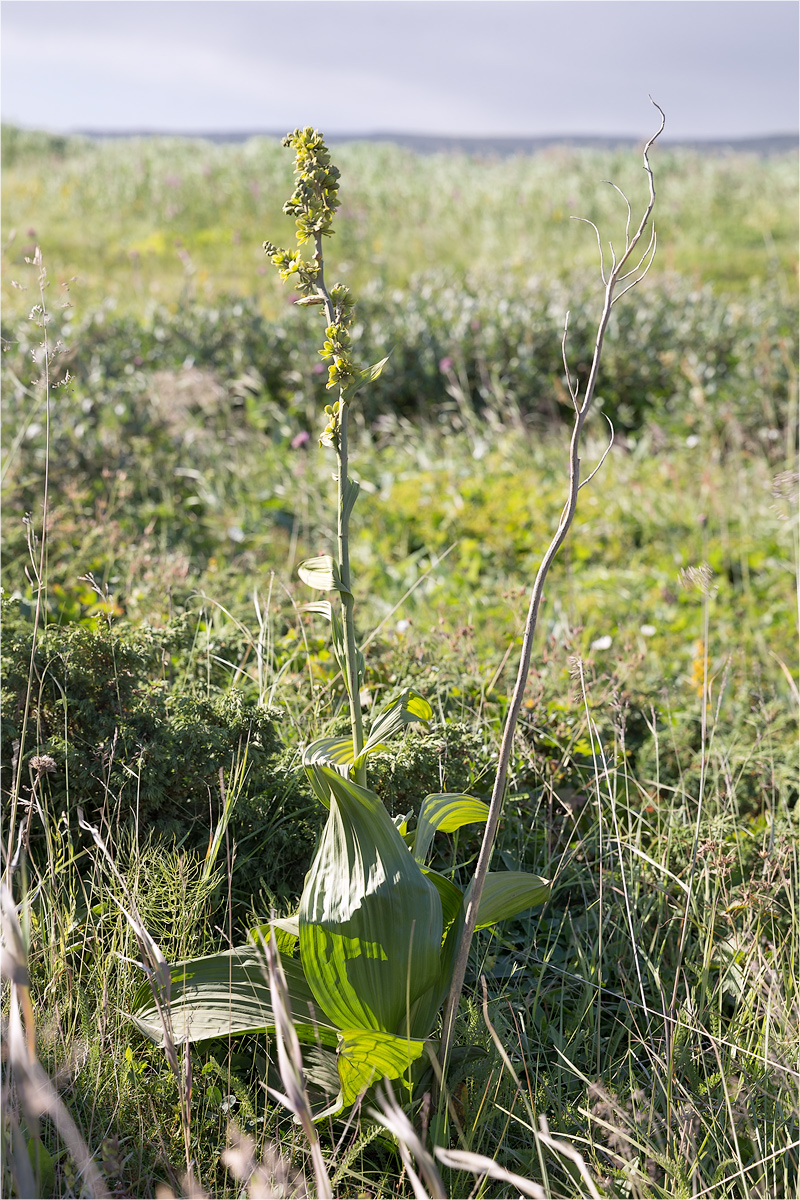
377, 930
173, 478
683, 357
125, 739
140, 220
25, 145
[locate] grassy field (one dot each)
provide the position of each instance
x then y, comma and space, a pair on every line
649, 1010
131, 220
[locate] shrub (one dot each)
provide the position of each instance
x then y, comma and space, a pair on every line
125, 738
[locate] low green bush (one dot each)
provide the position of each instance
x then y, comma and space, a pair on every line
126, 738
683, 356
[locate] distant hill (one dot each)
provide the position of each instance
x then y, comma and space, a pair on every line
778, 143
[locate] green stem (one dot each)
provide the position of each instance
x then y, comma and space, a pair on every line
343, 531
350, 652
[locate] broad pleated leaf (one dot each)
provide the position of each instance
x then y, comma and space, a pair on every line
406, 709
367, 1056
450, 895
425, 1009
228, 993
335, 752
321, 573
507, 894
285, 930
400, 823
318, 784
321, 1070
370, 922
445, 811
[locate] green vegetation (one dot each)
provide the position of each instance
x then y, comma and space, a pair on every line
649, 1009
139, 220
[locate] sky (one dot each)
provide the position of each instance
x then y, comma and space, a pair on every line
719, 68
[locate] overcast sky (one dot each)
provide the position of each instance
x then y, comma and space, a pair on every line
719, 68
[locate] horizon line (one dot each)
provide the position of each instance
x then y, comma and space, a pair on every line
433, 142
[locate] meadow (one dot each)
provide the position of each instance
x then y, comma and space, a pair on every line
160, 677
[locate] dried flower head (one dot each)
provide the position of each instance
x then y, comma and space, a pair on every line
42, 764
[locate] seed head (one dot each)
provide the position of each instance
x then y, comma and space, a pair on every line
43, 764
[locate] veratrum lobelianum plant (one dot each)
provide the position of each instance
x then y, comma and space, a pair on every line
377, 928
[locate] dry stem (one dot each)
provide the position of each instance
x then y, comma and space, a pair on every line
567, 515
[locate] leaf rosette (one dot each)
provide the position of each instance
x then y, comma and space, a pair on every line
370, 921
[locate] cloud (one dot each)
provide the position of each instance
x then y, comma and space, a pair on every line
719, 68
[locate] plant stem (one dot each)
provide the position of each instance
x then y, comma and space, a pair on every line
343, 538
567, 514
348, 603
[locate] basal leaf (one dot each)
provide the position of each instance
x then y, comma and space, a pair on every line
370, 922
450, 895
426, 1007
318, 784
400, 823
366, 1056
228, 993
445, 811
285, 930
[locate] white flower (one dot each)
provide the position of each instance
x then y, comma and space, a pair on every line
602, 643
647, 630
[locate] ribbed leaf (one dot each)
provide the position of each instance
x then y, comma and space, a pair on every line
227, 994
507, 894
351, 490
330, 752
426, 1007
445, 811
367, 1056
286, 931
326, 609
450, 895
370, 922
321, 573
407, 708
318, 785
338, 752
400, 823
321, 1070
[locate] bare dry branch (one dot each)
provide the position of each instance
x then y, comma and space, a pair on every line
573, 391
586, 221
589, 478
628, 204
565, 521
654, 244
